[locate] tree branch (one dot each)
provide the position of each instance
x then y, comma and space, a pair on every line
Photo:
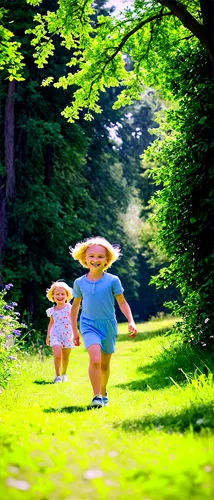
180, 11
134, 30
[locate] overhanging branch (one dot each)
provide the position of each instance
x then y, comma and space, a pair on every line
189, 21
134, 30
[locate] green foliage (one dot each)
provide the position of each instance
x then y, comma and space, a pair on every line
11, 58
102, 50
151, 250
185, 205
72, 181
144, 46
163, 51
10, 331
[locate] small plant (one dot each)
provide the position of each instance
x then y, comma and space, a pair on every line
10, 332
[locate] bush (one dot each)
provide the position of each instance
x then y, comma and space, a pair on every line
182, 164
10, 332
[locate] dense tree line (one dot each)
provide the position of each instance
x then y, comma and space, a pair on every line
62, 182
171, 46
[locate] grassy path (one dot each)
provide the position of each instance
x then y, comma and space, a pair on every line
153, 442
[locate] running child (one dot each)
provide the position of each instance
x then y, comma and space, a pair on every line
98, 326
59, 334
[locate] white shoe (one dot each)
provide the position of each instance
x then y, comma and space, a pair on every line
65, 378
57, 379
97, 401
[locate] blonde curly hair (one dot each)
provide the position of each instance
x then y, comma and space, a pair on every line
61, 284
113, 252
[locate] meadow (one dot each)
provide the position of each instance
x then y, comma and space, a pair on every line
153, 442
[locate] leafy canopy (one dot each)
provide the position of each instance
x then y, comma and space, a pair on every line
101, 48
10, 54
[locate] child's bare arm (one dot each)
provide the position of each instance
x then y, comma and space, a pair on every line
49, 329
125, 308
74, 315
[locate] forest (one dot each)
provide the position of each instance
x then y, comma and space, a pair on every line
64, 182
107, 129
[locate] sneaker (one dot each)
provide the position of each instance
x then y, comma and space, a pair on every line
64, 378
105, 399
97, 401
57, 379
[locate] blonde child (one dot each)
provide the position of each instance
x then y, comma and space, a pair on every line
59, 334
98, 324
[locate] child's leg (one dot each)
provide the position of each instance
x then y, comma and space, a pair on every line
57, 350
105, 371
65, 359
94, 352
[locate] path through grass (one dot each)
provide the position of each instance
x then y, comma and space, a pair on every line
153, 442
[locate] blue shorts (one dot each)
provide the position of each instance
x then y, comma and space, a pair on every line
101, 331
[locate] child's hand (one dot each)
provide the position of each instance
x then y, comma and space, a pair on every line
132, 329
77, 338
47, 341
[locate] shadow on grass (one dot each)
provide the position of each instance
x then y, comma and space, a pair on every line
195, 417
42, 382
177, 365
163, 332
66, 409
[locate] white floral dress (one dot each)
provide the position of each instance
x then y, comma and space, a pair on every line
61, 330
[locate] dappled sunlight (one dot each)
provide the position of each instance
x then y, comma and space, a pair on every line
197, 417
156, 395
171, 366
66, 409
148, 329
43, 382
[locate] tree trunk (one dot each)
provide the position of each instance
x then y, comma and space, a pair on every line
9, 131
3, 228
9, 192
204, 32
207, 9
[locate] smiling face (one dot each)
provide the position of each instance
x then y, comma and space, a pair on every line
96, 258
60, 296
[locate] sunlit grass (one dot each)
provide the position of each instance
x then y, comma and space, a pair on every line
153, 442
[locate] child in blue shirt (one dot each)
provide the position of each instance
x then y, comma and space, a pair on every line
97, 290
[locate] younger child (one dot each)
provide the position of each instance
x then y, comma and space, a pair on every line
98, 324
59, 335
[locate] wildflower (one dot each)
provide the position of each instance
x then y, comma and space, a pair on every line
7, 287
9, 336
206, 320
13, 304
1, 316
8, 308
17, 332
12, 358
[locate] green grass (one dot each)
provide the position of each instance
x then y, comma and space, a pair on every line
153, 442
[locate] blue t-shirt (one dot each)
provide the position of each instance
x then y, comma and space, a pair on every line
98, 296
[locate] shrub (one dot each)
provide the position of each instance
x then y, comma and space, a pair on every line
10, 332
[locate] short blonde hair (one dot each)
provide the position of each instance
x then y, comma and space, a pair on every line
61, 284
113, 252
